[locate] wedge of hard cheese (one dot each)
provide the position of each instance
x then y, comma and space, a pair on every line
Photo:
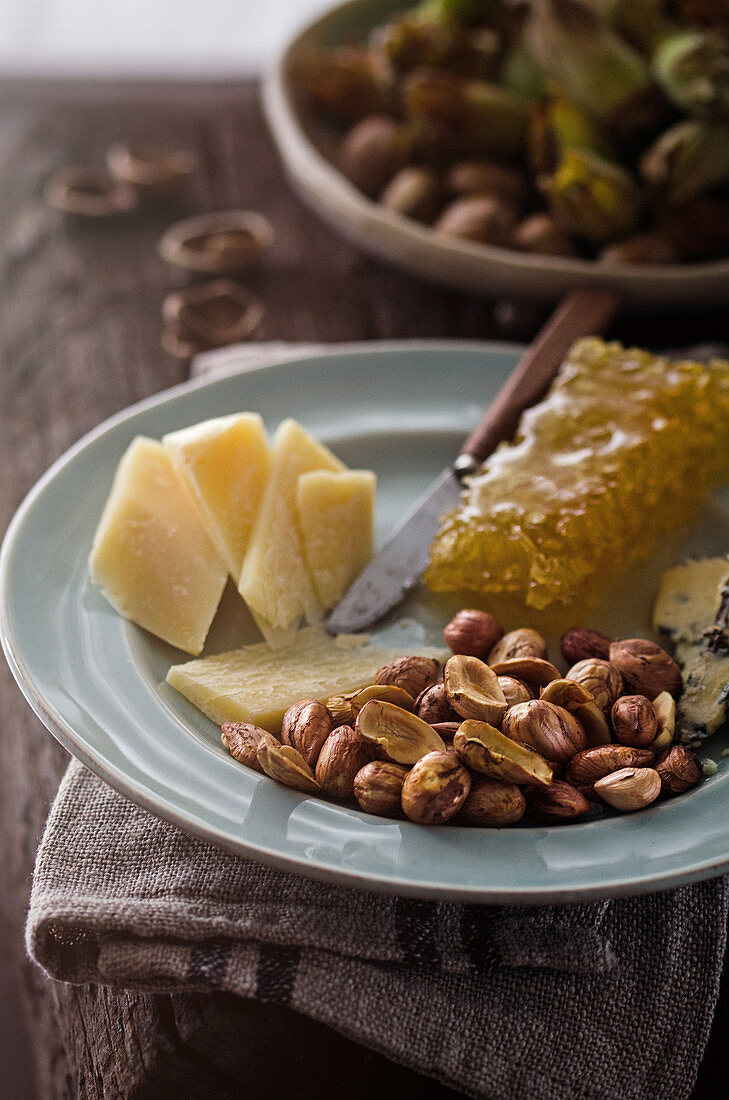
257, 684
152, 555
274, 581
226, 463
336, 522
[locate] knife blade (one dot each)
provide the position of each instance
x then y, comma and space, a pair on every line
397, 568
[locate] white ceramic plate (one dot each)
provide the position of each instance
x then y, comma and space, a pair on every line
98, 682
472, 267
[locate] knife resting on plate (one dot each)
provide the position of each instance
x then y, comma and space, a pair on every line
399, 565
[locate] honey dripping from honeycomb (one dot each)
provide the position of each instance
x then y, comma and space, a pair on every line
620, 451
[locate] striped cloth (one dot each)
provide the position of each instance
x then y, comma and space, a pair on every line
576, 1002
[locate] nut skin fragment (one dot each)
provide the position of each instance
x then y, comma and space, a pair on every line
524, 642
580, 644
378, 788
242, 740
646, 668
634, 721
514, 690
396, 734
486, 750
557, 803
306, 726
412, 674
629, 788
600, 678
433, 707
447, 730
679, 770
473, 689
286, 765
219, 243
590, 765
435, 789
342, 756
473, 633
548, 729
493, 803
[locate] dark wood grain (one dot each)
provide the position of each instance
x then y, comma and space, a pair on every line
79, 340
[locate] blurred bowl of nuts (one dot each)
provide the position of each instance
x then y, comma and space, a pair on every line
506, 147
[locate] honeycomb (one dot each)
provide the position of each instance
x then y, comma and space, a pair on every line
620, 451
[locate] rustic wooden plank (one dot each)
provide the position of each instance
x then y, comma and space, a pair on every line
79, 339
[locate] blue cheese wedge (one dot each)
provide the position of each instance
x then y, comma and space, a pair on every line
693, 608
689, 598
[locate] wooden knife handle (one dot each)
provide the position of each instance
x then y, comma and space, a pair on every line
581, 313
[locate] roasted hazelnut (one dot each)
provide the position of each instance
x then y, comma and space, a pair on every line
286, 765
378, 788
473, 689
493, 803
435, 789
340, 710
386, 693
412, 674
433, 707
472, 177
577, 700
634, 721
395, 733
580, 644
342, 756
645, 667
665, 707
372, 152
532, 671
559, 802
415, 192
484, 218
305, 727
679, 770
629, 788
652, 247
586, 767
447, 730
601, 678
548, 729
514, 690
242, 740
473, 633
485, 749
524, 642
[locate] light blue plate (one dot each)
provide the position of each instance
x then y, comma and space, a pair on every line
98, 682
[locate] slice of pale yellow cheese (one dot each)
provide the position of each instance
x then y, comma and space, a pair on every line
274, 581
226, 463
336, 522
152, 556
258, 684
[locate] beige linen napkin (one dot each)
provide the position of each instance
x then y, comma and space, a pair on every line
609, 1000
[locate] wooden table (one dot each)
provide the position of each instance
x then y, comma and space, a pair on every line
79, 340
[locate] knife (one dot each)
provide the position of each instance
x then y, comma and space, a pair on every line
397, 568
